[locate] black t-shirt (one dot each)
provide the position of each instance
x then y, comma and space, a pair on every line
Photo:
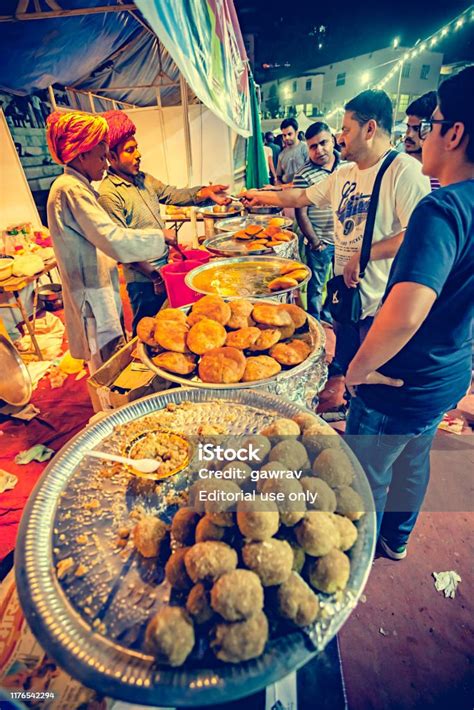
438, 252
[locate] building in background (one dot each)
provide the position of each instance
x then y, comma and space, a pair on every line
325, 88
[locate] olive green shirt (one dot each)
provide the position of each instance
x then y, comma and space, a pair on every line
136, 205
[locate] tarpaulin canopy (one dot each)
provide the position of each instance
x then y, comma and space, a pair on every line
205, 41
115, 55
37, 53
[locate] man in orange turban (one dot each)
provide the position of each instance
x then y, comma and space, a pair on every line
70, 134
132, 198
87, 243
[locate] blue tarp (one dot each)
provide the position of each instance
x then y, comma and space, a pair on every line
37, 53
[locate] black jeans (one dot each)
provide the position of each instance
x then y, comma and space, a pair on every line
144, 301
349, 338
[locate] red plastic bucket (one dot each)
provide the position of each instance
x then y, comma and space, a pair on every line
195, 254
173, 275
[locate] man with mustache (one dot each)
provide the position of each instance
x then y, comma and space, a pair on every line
132, 199
365, 142
419, 110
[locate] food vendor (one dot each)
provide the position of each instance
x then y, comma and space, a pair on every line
132, 199
86, 240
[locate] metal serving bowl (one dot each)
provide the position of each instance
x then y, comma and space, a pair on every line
300, 384
92, 624
235, 223
253, 263
227, 245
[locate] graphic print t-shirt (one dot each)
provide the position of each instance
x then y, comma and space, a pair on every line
348, 191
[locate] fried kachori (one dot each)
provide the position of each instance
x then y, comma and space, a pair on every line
270, 314
297, 314
179, 363
292, 353
241, 311
266, 339
243, 338
206, 335
146, 330
213, 307
259, 368
171, 335
282, 282
222, 366
298, 275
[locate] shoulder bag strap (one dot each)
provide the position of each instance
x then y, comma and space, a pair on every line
369, 224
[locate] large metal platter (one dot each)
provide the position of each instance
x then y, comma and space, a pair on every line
228, 245
299, 384
236, 223
253, 263
15, 389
92, 625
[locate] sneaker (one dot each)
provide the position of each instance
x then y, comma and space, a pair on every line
395, 553
338, 414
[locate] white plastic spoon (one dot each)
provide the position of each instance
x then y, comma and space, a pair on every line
141, 465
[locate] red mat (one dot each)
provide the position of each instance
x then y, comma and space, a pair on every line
64, 412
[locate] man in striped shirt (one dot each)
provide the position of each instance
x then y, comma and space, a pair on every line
419, 110
317, 223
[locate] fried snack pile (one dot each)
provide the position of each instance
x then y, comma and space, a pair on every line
257, 237
231, 572
226, 343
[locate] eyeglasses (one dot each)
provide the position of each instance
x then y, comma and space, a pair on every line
426, 127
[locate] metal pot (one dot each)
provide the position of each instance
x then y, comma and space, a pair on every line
51, 297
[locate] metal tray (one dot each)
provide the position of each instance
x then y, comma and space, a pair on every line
190, 277
228, 245
124, 593
300, 384
236, 223
264, 209
15, 389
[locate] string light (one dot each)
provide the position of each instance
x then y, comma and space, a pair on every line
456, 23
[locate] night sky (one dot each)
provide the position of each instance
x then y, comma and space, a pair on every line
283, 28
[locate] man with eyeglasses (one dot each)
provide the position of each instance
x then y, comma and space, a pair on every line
422, 335
418, 111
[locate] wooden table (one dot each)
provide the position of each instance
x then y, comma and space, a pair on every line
14, 285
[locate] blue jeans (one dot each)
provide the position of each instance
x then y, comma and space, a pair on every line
144, 301
319, 263
395, 455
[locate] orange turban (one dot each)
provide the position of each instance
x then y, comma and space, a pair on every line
72, 133
121, 127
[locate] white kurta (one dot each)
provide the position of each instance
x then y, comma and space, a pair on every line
87, 243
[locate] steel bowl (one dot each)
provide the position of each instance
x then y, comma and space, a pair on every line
91, 624
264, 209
258, 260
223, 213
235, 223
16, 388
227, 245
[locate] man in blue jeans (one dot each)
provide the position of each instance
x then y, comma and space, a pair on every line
415, 363
317, 223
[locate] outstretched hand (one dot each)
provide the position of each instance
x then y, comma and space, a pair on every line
216, 193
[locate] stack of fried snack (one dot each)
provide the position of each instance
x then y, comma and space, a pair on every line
238, 341
259, 237
236, 563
